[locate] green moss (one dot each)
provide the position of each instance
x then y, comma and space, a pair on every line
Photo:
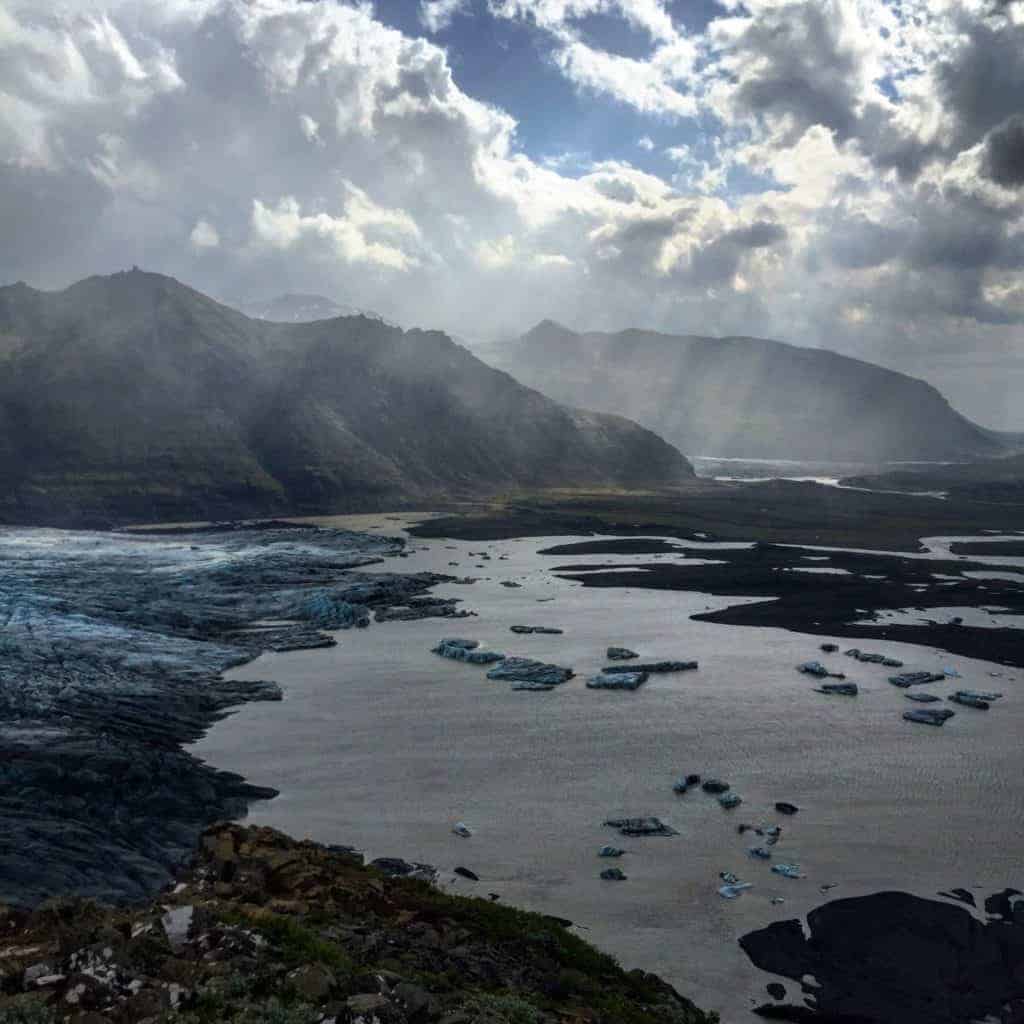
296, 944
29, 1011
501, 1009
501, 924
276, 1012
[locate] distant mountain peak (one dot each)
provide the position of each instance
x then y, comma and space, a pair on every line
746, 397
551, 329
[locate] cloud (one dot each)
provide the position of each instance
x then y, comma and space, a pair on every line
645, 85
437, 15
1004, 152
560, 16
363, 233
659, 84
310, 128
758, 235
259, 147
204, 235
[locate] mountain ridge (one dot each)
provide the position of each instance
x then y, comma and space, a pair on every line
747, 397
133, 397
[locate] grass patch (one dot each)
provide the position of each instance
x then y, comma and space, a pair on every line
295, 943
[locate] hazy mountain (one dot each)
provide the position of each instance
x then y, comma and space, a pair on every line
135, 397
1000, 480
297, 308
746, 397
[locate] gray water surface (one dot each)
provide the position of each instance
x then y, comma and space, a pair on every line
383, 745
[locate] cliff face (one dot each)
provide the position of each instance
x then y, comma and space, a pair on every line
133, 397
262, 929
747, 397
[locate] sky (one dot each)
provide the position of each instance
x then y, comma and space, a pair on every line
846, 174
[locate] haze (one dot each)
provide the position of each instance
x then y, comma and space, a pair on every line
846, 174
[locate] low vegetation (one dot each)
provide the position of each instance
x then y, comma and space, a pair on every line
265, 930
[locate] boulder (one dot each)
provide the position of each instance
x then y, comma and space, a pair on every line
620, 654
871, 659
617, 681
922, 698
929, 716
731, 890
813, 668
546, 630
714, 786
641, 826
527, 670
730, 800
787, 870
786, 808
968, 700
613, 875
367, 1006
312, 983
653, 666
177, 922
844, 689
907, 679
468, 651
985, 695
395, 867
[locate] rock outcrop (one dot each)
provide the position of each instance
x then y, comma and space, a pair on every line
896, 957
262, 929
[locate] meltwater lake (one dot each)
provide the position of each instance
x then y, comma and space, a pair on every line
383, 745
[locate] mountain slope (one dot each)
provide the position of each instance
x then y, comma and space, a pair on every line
746, 397
135, 397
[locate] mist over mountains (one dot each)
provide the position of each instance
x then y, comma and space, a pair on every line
135, 397
747, 397
301, 308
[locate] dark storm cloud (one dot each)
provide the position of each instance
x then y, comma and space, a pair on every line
758, 235
982, 83
857, 243
718, 260
799, 69
1003, 159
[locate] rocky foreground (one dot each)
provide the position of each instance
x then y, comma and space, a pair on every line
112, 654
266, 930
